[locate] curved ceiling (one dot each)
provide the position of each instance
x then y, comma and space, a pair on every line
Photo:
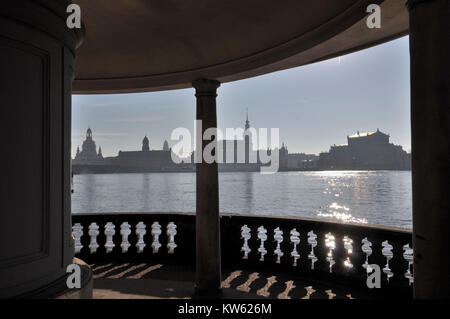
149, 45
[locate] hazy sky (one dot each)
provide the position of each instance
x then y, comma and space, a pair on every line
314, 106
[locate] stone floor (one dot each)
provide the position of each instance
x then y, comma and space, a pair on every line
156, 281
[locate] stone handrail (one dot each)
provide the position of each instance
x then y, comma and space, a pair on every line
342, 252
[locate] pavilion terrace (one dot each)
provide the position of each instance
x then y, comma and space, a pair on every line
141, 46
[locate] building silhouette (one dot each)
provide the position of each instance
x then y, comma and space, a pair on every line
88, 160
296, 161
369, 150
245, 157
147, 160
88, 153
236, 154
145, 144
363, 151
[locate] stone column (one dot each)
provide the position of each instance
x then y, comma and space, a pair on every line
37, 52
208, 264
430, 134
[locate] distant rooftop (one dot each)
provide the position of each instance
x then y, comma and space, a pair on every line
339, 145
363, 134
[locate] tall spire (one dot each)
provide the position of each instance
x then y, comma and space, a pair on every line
247, 122
145, 144
166, 146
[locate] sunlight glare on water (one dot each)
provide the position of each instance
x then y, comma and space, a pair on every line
373, 197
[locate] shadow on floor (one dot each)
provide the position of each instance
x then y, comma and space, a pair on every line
132, 280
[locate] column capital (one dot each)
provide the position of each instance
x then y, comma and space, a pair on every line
205, 87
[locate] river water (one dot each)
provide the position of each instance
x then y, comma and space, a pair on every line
373, 197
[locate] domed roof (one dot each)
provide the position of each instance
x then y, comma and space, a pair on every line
138, 46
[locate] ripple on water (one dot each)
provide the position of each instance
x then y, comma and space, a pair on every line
382, 197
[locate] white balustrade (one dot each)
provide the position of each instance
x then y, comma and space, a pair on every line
295, 239
93, 233
312, 241
171, 232
278, 237
367, 250
330, 243
156, 232
140, 233
348, 246
245, 234
409, 257
125, 231
387, 252
262, 237
245, 231
77, 232
109, 233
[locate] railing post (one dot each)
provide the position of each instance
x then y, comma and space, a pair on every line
208, 263
429, 22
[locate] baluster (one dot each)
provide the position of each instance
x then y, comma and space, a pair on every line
312, 241
387, 252
295, 239
171, 232
93, 233
245, 234
262, 236
140, 233
349, 247
125, 231
156, 232
278, 237
330, 243
367, 250
408, 255
77, 232
109, 233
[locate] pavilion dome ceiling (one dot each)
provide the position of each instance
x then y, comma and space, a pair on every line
149, 45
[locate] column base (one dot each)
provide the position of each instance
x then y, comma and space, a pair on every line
58, 289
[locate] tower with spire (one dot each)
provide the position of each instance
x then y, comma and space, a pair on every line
283, 156
166, 146
247, 122
247, 139
145, 144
